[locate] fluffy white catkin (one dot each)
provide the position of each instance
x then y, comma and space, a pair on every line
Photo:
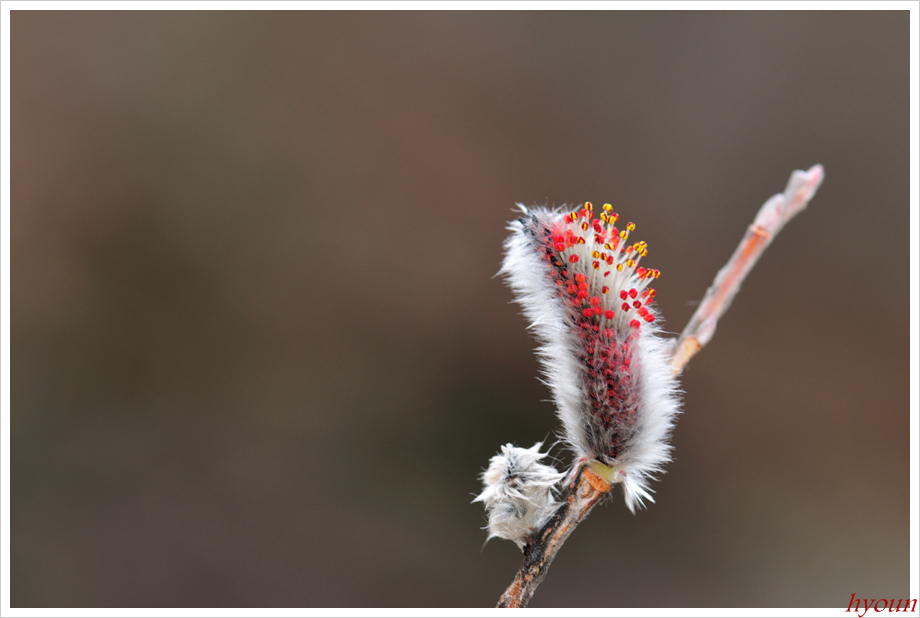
589, 303
518, 493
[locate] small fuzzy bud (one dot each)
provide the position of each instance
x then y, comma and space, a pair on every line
518, 493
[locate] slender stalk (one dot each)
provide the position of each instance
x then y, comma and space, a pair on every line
589, 486
585, 491
773, 215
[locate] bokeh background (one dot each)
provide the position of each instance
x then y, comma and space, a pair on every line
260, 357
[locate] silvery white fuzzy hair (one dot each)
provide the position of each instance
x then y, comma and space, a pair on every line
518, 493
590, 305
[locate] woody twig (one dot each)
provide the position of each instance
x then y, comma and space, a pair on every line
583, 493
773, 215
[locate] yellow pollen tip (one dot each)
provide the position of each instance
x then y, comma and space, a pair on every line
631, 226
608, 207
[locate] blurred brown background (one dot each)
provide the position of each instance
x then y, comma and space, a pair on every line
260, 358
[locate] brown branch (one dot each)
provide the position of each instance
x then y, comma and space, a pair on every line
773, 215
585, 491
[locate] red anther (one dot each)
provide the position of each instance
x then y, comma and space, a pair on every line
609, 332
636, 304
573, 258
648, 300
634, 324
596, 264
598, 311
607, 272
605, 289
587, 312
594, 300
644, 293
559, 246
597, 226
643, 311
558, 238
641, 271
626, 307
649, 318
582, 294
582, 285
584, 226
609, 260
572, 289
599, 239
623, 294
609, 314
579, 277
633, 293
